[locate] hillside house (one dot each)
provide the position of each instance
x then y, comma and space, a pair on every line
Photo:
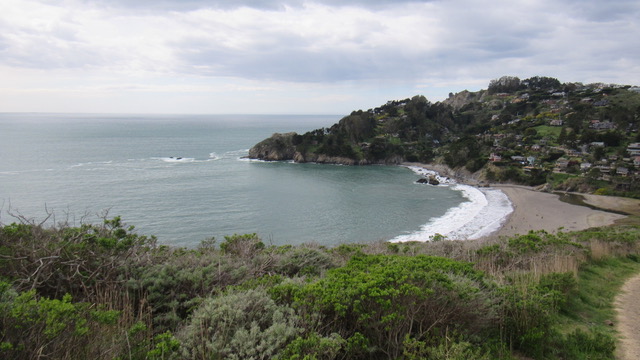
519, 159
562, 164
556, 122
585, 166
495, 157
573, 152
602, 125
634, 149
604, 169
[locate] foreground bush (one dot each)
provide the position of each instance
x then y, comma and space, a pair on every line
382, 299
239, 325
104, 292
35, 327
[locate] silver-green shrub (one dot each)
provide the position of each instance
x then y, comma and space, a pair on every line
246, 325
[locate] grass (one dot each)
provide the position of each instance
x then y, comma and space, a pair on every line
548, 131
592, 304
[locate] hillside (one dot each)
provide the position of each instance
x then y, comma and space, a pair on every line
572, 136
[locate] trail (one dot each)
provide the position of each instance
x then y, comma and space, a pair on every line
628, 324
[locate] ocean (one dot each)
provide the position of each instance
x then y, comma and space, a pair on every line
185, 178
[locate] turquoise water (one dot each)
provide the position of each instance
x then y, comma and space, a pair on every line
183, 179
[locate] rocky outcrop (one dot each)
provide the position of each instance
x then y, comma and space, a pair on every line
325, 159
276, 148
431, 180
459, 100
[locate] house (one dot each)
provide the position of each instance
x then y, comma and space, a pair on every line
622, 171
636, 161
562, 163
585, 166
556, 122
633, 149
536, 147
597, 144
495, 157
602, 125
604, 169
573, 152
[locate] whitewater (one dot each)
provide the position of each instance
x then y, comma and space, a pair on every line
484, 212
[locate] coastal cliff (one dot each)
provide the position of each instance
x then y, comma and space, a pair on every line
278, 147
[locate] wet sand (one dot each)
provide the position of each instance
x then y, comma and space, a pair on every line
534, 210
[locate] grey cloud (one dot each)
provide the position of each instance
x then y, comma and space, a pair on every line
297, 65
599, 11
186, 5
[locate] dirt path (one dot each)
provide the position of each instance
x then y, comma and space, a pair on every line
628, 325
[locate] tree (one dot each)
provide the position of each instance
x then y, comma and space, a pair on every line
562, 137
541, 83
504, 84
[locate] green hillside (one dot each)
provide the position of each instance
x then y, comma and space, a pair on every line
521, 131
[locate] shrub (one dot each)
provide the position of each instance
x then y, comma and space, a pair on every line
587, 345
528, 311
239, 325
385, 297
313, 347
36, 327
243, 246
446, 349
303, 260
85, 261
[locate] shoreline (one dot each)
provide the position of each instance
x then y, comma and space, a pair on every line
536, 210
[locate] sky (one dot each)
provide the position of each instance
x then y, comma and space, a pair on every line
297, 56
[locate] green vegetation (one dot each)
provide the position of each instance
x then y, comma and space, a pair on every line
104, 292
519, 131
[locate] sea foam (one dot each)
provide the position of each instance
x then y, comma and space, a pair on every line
484, 212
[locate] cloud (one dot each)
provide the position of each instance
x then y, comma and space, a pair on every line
383, 47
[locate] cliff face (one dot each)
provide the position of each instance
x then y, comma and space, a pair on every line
276, 148
459, 100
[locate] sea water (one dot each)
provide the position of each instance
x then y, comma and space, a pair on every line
185, 178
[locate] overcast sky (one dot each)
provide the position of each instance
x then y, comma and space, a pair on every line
296, 56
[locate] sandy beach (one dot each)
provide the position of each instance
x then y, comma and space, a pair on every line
534, 210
